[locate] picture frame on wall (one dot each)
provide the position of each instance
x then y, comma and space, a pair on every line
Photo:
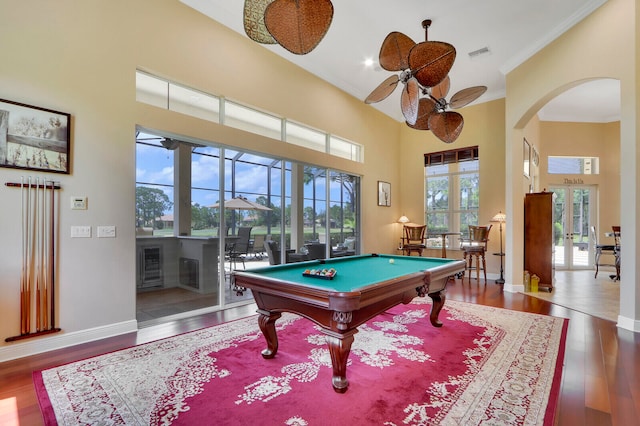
384, 193
526, 155
34, 138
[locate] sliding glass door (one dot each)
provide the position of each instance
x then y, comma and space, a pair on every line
188, 245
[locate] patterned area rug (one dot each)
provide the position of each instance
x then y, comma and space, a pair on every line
484, 366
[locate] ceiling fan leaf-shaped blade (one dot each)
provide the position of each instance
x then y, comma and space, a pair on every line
447, 125
298, 25
383, 90
394, 52
441, 90
466, 96
254, 21
426, 107
431, 61
409, 101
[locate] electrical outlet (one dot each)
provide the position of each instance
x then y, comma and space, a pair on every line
107, 231
80, 232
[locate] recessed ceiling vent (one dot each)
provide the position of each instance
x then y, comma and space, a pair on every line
482, 51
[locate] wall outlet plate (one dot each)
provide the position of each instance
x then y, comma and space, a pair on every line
106, 231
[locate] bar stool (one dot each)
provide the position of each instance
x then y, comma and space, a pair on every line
475, 247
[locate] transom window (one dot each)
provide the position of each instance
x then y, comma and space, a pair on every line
564, 165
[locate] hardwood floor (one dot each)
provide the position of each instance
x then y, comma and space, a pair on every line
600, 384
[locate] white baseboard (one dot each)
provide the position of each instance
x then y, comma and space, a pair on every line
51, 342
629, 324
513, 288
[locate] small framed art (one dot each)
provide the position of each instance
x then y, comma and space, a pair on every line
384, 193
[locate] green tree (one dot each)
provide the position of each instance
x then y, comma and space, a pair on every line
151, 203
202, 217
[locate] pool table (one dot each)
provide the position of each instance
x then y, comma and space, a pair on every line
363, 287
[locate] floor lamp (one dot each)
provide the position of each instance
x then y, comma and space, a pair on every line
500, 218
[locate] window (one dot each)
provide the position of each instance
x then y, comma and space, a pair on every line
452, 183
161, 93
574, 165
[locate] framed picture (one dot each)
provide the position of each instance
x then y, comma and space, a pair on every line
34, 138
526, 154
535, 157
384, 193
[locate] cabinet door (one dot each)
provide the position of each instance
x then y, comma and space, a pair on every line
538, 236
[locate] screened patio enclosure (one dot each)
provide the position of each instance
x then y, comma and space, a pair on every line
186, 249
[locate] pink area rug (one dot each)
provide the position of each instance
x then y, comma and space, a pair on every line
484, 366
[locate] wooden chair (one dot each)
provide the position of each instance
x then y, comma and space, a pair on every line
475, 247
599, 250
414, 239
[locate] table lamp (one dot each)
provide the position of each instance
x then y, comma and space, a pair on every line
403, 219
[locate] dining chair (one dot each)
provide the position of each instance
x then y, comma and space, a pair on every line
599, 250
414, 239
475, 247
617, 251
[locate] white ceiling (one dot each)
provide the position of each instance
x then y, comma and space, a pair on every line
512, 30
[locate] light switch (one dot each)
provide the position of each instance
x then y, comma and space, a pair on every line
80, 232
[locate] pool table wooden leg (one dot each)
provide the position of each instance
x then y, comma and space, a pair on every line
339, 348
267, 323
438, 302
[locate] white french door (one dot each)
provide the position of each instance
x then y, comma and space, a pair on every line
574, 213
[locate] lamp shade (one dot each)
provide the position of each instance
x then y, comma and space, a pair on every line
403, 219
499, 217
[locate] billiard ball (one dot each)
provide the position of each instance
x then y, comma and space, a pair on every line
391, 261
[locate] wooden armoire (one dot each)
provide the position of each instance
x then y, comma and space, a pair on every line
539, 247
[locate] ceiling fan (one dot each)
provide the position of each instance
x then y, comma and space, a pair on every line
424, 69
296, 25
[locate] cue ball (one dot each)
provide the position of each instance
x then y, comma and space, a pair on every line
391, 261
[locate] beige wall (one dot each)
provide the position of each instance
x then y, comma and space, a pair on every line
588, 140
587, 51
483, 126
80, 58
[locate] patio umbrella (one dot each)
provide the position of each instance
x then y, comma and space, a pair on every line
241, 203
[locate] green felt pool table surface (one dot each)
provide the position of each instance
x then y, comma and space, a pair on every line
353, 272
